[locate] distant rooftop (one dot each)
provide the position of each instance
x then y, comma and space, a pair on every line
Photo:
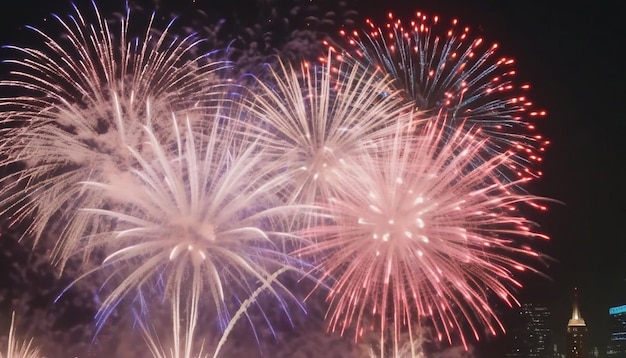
617, 309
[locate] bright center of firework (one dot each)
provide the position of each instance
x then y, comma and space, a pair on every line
396, 221
194, 237
323, 164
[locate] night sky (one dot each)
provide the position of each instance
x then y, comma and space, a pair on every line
571, 54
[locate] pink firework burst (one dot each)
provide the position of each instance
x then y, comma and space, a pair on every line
422, 232
453, 71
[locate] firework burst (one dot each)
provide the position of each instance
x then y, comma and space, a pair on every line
451, 71
421, 232
140, 151
81, 99
197, 218
317, 120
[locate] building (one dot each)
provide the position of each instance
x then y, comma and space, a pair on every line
617, 345
576, 339
532, 337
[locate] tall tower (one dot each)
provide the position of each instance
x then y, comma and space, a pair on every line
576, 333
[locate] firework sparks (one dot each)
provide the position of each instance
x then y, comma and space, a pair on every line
317, 120
454, 72
199, 215
17, 349
80, 100
139, 150
422, 232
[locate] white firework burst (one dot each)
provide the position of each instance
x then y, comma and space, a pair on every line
198, 218
80, 99
317, 119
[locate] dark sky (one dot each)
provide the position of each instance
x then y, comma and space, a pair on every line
571, 53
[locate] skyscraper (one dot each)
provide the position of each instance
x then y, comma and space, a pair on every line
617, 345
576, 346
531, 334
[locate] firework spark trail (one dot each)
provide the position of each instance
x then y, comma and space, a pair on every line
183, 342
19, 349
316, 121
421, 232
453, 72
80, 100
